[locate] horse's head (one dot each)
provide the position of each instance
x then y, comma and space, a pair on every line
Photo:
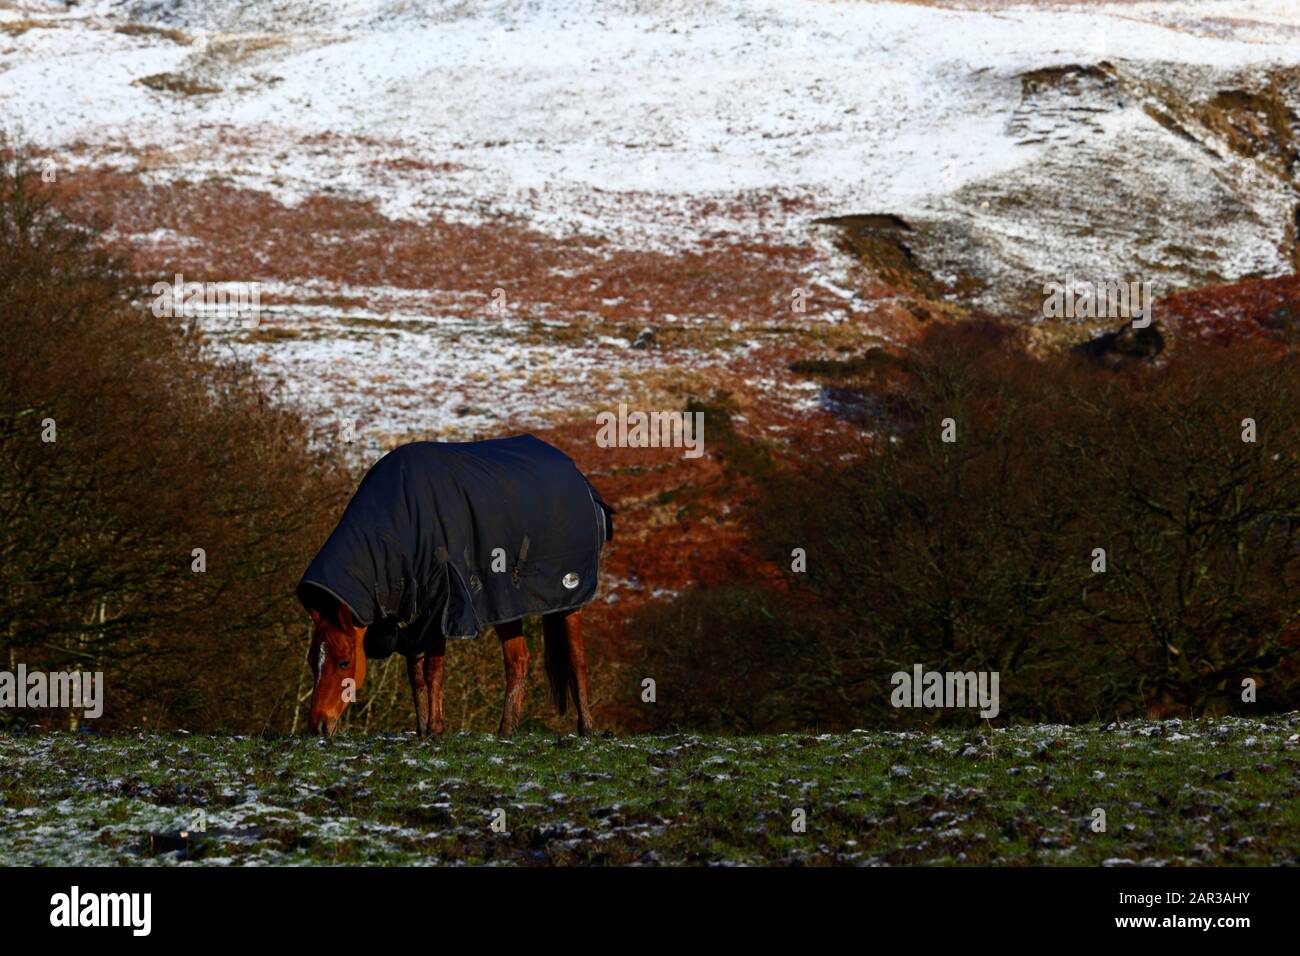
337, 658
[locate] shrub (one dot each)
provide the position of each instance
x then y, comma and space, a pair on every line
978, 554
159, 450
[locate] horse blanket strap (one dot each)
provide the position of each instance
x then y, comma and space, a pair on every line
517, 570
391, 557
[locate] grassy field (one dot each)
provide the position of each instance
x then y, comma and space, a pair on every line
1177, 792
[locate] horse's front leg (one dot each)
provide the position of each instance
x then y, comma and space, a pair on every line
433, 673
425, 671
515, 651
415, 669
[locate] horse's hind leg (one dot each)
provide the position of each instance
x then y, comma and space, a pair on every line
515, 651
566, 664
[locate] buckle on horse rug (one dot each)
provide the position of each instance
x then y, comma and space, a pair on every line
523, 556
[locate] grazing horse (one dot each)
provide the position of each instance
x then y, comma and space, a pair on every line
338, 654
442, 541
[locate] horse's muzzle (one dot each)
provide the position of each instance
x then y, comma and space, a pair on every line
324, 727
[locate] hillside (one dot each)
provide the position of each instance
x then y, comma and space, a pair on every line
660, 165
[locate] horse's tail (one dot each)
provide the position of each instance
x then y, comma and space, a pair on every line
559, 670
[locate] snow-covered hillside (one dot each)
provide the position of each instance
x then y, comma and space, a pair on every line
1151, 140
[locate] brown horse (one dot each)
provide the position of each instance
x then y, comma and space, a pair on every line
337, 658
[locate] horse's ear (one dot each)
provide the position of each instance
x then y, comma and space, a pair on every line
345, 617
315, 615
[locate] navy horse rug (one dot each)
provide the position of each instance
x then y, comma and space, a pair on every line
446, 540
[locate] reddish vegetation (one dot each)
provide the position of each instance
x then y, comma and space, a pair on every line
1257, 310
681, 522
245, 235
672, 526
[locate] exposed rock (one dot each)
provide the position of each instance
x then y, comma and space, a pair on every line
882, 242
1124, 346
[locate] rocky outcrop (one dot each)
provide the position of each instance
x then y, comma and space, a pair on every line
1123, 347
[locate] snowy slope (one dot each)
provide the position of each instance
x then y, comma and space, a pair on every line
862, 105
671, 124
